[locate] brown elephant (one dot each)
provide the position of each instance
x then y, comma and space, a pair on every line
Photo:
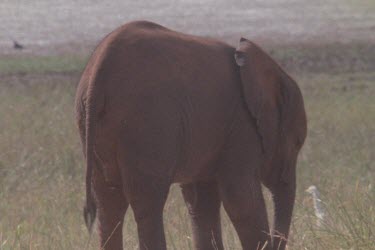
156, 107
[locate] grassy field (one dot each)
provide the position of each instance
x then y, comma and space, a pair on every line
42, 170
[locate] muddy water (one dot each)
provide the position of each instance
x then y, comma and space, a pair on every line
42, 24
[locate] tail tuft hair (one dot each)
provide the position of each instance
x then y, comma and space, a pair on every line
89, 213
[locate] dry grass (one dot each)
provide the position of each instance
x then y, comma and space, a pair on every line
41, 167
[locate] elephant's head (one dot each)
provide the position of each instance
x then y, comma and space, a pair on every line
275, 102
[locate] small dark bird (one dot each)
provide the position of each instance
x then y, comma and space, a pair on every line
16, 45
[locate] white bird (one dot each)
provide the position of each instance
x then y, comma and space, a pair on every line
318, 206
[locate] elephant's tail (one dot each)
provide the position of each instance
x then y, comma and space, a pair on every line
94, 106
89, 211
95, 101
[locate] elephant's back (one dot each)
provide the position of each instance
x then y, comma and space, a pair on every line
169, 97
140, 58
150, 49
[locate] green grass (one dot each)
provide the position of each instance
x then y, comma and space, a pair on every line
369, 5
335, 58
42, 170
41, 64
338, 158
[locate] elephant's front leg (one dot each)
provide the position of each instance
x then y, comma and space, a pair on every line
283, 197
243, 201
147, 195
203, 203
240, 189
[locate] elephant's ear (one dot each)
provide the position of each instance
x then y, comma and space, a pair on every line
272, 98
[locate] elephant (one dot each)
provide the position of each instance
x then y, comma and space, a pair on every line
156, 107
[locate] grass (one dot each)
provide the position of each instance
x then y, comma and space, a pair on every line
338, 158
42, 171
41, 64
334, 58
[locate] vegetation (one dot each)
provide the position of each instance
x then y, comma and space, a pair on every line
41, 64
41, 165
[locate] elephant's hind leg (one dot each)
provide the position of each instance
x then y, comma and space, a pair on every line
203, 203
111, 205
147, 195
